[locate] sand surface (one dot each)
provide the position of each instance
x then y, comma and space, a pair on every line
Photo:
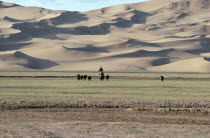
157, 35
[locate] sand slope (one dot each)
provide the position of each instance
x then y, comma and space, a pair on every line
157, 35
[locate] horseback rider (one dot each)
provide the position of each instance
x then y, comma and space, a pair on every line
101, 73
101, 70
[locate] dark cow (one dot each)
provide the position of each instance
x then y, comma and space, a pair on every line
107, 77
85, 77
162, 78
78, 77
89, 78
81, 77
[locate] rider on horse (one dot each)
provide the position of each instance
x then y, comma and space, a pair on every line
101, 69
101, 72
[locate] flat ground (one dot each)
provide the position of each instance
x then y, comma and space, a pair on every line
140, 106
101, 123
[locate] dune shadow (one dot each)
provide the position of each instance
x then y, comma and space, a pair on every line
10, 46
11, 19
100, 29
47, 28
123, 23
145, 53
67, 18
33, 30
161, 61
141, 43
204, 43
43, 30
206, 59
182, 15
88, 48
35, 63
139, 17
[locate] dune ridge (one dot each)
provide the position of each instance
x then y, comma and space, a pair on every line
156, 35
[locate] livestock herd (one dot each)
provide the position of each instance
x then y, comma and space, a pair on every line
85, 77
102, 77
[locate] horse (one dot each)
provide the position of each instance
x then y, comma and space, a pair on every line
101, 76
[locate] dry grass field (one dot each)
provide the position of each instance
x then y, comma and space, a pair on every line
130, 104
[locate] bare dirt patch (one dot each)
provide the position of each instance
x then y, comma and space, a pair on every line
102, 115
95, 122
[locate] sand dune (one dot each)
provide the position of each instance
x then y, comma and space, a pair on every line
156, 35
10, 47
161, 61
34, 63
67, 18
191, 65
161, 53
115, 9
88, 48
5, 23
7, 5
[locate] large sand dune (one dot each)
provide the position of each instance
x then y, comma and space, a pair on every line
157, 35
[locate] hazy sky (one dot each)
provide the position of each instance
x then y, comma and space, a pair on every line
72, 5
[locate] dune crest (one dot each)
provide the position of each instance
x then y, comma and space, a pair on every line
7, 5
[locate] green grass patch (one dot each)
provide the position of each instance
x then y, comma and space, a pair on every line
118, 93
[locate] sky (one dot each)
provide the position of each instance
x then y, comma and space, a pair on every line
72, 5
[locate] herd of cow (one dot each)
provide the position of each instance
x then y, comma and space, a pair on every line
85, 77
102, 77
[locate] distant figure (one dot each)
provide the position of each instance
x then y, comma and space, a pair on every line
101, 73
78, 77
162, 78
102, 77
81, 77
101, 69
85, 77
89, 78
107, 77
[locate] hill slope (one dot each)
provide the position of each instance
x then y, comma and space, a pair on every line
158, 35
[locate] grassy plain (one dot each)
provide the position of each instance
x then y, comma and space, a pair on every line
65, 107
114, 93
